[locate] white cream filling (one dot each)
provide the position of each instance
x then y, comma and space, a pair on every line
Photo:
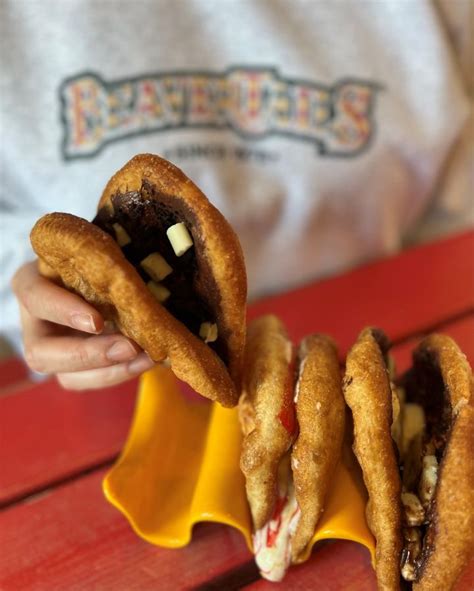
272, 543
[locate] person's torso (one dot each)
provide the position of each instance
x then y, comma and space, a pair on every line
316, 128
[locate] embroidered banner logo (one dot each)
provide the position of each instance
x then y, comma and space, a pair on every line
254, 103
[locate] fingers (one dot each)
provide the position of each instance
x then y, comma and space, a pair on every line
65, 354
45, 300
81, 363
107, 376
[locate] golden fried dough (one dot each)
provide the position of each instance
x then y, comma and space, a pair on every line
266, 413
442, 372
144, 198
368, 393
320, 415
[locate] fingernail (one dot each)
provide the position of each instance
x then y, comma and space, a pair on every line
121, 351
83, 322
140, 364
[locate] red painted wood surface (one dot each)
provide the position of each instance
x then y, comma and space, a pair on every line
461, 330
50, 434
404, 294
340, 566
13, 372
335, 566
71, 539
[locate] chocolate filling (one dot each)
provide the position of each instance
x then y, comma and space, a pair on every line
424, 385
146, 215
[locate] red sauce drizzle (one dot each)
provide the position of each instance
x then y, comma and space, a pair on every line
272, 534
287, 415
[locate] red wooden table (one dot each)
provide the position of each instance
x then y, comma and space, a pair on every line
57, 532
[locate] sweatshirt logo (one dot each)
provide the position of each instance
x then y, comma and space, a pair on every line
254, 103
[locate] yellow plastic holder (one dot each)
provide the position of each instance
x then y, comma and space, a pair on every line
180, 466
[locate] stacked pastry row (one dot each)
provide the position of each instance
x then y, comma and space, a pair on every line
413, 436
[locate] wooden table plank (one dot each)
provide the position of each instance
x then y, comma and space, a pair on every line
71, 539
51, 434
340, 566
13, 372
462, 331
405, 294
336, 566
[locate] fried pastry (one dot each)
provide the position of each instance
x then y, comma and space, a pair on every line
266, 413
286, 499
441, 382
320, 412
414, 442
368, 393
162, 263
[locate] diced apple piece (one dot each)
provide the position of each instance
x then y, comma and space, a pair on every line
156, 266
179, 238
159, 291
121, 235
208, 332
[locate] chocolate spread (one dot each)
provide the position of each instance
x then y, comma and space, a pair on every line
194, 295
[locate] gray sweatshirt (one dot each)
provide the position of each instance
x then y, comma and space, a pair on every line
323, 130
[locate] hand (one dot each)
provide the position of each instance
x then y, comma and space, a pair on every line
57, 328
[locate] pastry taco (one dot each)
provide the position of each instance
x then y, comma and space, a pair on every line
292, 417
414, 440
163, 264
